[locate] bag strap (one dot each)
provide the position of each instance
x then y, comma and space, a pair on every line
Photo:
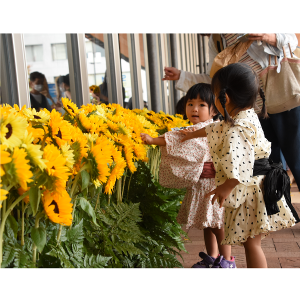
284, 55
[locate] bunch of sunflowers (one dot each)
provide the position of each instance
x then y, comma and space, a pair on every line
44, 155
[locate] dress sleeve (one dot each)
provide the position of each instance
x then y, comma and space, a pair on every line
185, 160
233, 158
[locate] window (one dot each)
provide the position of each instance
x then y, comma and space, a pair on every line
47, 54
34, 53
96, 65
59, 52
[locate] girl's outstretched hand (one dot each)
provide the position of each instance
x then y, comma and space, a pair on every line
223, 191
146, 139
188, 134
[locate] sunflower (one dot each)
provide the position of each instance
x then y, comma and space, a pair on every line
4, 158
60, 129
79, 144
37, 133
85, 123
70, 107
101, 111
68, 154
12, 130
56, 168
3, 195
36, 117
119, 166
140, 150
99, 157
58, 207
22, 191
89, 108
34, 152
18, 170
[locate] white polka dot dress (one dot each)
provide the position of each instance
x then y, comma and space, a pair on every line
181, 167
234, 150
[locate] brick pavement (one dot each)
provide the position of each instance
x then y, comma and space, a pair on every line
282, 248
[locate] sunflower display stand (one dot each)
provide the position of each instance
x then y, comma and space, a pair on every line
66, 186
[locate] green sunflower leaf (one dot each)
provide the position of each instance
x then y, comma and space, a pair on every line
34, 198
86, 206
38, 236
13, 224
85, 179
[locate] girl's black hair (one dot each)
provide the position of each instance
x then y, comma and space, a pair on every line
241, 84
204, 92
180, 107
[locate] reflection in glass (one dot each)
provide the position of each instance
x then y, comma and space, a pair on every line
96, 66
48, 70
125, 71
143, 71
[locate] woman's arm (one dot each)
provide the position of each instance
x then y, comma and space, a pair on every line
160, 141
195, 134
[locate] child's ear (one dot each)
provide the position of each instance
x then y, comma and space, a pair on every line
227, 99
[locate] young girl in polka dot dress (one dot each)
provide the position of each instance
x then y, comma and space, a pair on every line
190, 166
237, 146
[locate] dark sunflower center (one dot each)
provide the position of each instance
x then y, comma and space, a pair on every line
36, 117
56, 209
70, 108
59, 134
8, 134
169, 118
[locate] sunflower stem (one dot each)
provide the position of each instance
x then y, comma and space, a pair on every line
36, 225
59, 233
74, 206
129, 185
10, 208
22, 225
43, 142
97, 201
124, 180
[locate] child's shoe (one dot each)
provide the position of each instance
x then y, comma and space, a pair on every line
207, 262
221, 262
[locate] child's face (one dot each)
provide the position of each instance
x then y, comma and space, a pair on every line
197, 111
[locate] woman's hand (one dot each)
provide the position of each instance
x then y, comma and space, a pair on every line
223, 191
171, 73
269, 38
146, 139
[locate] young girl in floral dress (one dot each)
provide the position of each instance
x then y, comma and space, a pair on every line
254, 191
190, 166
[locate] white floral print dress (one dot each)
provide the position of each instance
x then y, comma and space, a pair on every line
181, 167
234, 150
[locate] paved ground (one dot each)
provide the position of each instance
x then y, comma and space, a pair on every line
282, 248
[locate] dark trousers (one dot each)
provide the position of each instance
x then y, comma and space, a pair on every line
283, 131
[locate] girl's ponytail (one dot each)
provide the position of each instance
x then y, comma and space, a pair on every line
222, 98
263, 114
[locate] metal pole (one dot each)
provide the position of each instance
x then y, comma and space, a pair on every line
154, 73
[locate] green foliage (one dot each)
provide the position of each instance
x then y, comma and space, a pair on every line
38, 236
139, 232
34, 198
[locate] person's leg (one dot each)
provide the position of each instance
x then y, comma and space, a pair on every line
210, 242
224, 250
255, 256
270, 135
286, 125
